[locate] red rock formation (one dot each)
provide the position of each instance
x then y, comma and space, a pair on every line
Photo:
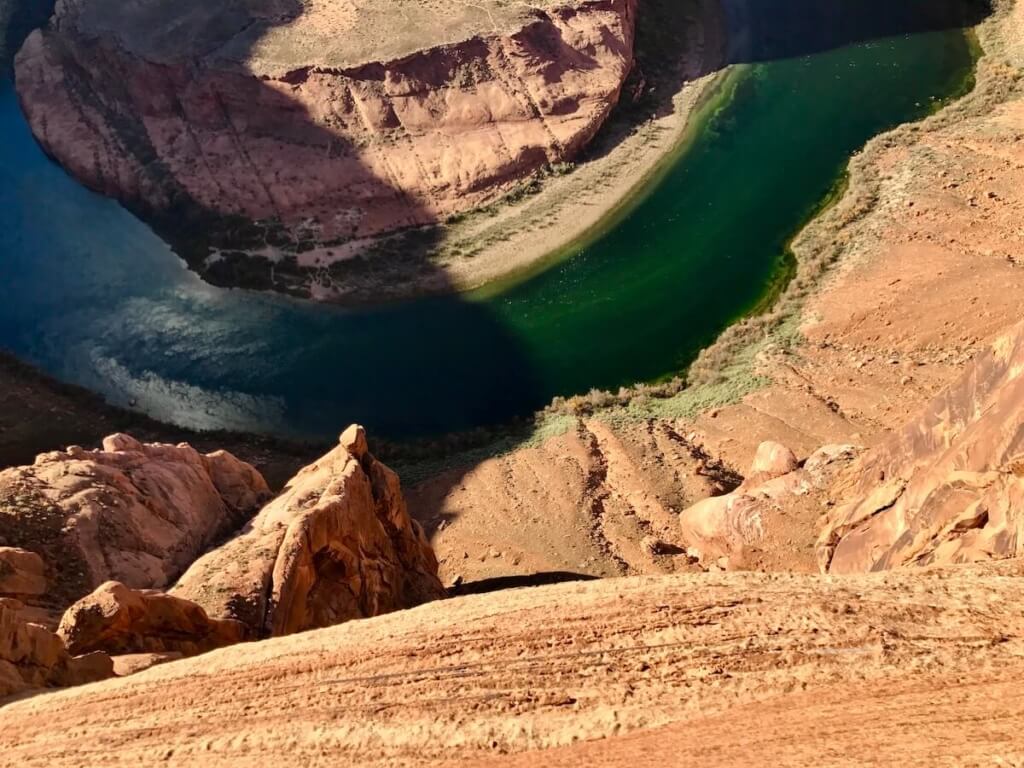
946, 488
140, 514
119, 620
32, 656
310, 121
337, 544
778, 497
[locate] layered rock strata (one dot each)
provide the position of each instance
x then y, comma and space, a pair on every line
290, 135
913, 667
946, 488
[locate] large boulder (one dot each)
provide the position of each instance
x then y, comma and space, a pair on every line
337, 544
22, 573
946, 488
32, 656
772, 460
139, 514
776, 507
119, 620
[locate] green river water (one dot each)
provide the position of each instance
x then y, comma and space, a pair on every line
93, 297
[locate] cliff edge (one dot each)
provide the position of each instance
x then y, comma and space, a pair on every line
276, 142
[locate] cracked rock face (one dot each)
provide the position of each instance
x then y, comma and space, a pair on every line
337, 544
946, 488
300, 132
138, 513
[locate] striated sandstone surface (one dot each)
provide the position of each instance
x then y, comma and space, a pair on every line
136, 513
119, 621
579, 503
301, 131
337, 544
946, 488
838, 664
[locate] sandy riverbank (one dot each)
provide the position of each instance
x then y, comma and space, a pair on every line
899, 285
519, 240
546, 218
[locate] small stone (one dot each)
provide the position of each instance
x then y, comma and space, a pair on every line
353, 440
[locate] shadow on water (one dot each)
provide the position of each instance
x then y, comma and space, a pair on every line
754, 30
258, 361
131, 325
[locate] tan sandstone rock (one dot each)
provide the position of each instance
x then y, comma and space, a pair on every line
136, 513
773, 460
323, 123
32, 656
119, 620
776, 508
337, 544
946, 488
21, 572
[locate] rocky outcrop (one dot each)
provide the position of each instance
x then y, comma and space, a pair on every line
337, 544
778, 496
119, 620
299, 132
32, 656
946, 488
140, 514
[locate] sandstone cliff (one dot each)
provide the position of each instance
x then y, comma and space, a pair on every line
946, 488
337, 544
137, 513
299, 132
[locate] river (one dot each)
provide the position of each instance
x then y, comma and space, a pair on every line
93, 297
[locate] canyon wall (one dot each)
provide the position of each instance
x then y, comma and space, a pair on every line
275, 141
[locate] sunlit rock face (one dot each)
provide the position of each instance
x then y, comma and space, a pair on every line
946, 488
337, 544
138, 513
302, 131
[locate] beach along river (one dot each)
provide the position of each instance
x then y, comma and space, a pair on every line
91, 296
